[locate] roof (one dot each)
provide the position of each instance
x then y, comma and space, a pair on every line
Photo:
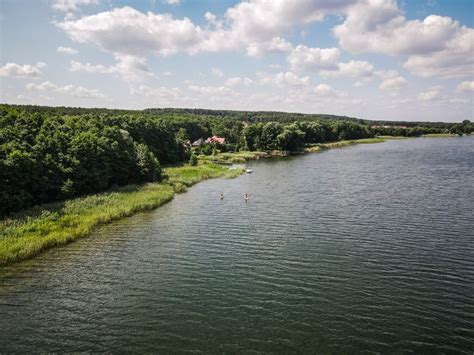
215, 139
198, 142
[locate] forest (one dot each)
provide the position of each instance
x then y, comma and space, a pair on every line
54, 153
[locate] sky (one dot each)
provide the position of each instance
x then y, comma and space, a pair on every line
373, 59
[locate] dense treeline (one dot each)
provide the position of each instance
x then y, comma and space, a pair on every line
49, 154
293, 137
466, 127
48, 158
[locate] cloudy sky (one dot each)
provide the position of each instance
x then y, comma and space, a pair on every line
375, 59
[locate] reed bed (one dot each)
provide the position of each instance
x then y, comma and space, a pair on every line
27, 234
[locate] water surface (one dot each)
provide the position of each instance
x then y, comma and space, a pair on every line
362, 249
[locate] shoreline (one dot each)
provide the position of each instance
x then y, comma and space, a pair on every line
33, 231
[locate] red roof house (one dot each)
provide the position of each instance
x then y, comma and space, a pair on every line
215, 139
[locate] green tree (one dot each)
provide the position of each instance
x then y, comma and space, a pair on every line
148, 166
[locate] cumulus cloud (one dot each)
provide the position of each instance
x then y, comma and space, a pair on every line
325, 62
283, 79
162, 93
465, 86
236, 81
126, 31
455, 62
431, 94
13, 70
391, 80
127, 68
327, 90
262, 20
66, 50
71, 5
256, 26
436, 46
275, 45
218, 73
190, 96
354, 69
210, 17
211, 90
304, 58
77, 91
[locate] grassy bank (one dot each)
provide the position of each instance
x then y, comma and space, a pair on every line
232, 158
394, 137
43, 227
324, 146
439, 135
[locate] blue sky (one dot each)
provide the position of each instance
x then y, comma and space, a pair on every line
374, 59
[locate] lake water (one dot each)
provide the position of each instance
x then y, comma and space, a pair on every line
362, 249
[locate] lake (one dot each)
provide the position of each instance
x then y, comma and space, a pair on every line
368, 248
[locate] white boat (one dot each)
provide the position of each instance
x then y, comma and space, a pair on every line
248, 171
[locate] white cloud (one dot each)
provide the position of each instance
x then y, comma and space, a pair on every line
89, 68
283, 79
327, 90
465, 86
325, 62
127, 68
235, 81
44, 86
437, 46
71, 5
275, 45
361, 83
210, 17
163, 93
262, 20
256, 26
304, 58
218, 73
431, 94
77, 91
457, 62
172, 2
456, 100
13, 70
211, 90
391, 80
354, 69
66, 50
126, 31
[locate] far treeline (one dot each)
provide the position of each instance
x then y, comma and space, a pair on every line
54, 153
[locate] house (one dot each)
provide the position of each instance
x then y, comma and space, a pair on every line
198, 143
215, 139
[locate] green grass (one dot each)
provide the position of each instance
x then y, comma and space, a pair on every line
439, 135
182, 177
394, 137
43, 227
340, 144
232, 158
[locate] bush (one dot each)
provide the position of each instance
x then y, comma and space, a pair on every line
193, 160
